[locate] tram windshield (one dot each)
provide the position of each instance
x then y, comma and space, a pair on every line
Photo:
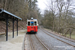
32, 23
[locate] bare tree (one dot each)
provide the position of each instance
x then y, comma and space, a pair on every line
60, 5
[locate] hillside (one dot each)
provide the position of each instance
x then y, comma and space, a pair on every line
21, 25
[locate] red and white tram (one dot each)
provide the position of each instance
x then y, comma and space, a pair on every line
32, 25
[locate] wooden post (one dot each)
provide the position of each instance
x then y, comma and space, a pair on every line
7, 28
17, 27
13, 27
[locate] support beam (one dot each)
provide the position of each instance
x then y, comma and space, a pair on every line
13, 28
17, 27
7, 28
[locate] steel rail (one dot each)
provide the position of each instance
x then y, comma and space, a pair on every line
24, 42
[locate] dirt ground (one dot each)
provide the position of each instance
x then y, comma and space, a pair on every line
15, 43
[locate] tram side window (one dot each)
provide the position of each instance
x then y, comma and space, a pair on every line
35, 23
28, 23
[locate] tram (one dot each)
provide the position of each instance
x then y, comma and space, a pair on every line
32, 25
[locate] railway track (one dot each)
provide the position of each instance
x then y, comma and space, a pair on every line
31, 43
42, 44
57, 38
62, 37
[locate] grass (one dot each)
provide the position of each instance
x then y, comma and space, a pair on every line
72, 36
68, 35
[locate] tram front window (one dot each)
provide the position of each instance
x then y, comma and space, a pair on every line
32, 23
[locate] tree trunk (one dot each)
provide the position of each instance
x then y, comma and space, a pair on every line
66, 32
71, 30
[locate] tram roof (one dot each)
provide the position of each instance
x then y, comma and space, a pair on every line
32, 20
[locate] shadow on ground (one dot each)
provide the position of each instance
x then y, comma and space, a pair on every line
30, 33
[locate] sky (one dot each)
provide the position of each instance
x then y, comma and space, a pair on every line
41, 5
